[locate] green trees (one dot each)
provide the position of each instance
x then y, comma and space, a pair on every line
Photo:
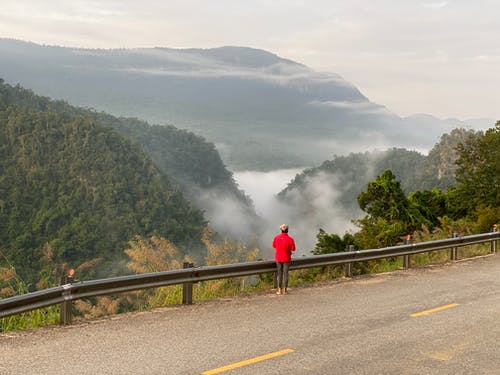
478, 171
71, 183
384, 198
390, 213
430, 204
478, 194
473, 203
331, 243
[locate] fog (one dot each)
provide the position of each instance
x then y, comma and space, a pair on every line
263, 186
228, 216
304, 211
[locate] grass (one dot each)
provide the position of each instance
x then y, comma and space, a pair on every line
32, 319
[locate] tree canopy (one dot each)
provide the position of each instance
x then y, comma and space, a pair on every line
70, 182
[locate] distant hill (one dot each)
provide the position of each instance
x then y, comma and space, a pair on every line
261, 111
326, 196
344, 177
71, 182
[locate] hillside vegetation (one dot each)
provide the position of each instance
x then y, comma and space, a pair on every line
75, 185
191, 163
348, 175
470, 205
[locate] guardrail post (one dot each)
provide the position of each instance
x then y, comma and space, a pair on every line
187, 288
65, 315
494, 242
454, 250
348, 266
406, 258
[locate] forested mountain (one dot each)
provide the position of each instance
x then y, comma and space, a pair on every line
334, 186
439, 167
71, 183
470, 206
261, 111
192, 163
196, 167
344, 177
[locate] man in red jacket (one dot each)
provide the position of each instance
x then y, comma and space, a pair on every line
284, 245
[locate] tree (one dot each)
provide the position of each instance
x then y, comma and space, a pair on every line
385, 199
429, 204
331, 243
390, 214
377, 232
478, 171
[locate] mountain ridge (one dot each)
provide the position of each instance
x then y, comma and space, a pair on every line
261, 111
80, 190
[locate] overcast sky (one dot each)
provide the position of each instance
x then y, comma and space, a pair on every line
413, 56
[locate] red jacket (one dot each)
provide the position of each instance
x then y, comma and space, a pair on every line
284, 245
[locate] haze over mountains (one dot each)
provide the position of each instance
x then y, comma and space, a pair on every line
258, 111
261, 111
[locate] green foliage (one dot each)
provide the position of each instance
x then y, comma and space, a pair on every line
32, 319
72, 183
431, 204
390, 213
376, 232
384, 198
12, 284
350, 174
439, 167
191, 161
332, 243
486, 218
478, 171
314, 275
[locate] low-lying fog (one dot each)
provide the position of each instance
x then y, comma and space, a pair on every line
321, 196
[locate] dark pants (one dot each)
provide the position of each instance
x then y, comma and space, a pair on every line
282, 274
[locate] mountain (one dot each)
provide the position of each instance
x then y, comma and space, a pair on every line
192, 164
73, 184
326, 196
196, 167
439, 167
261, 111
344, 177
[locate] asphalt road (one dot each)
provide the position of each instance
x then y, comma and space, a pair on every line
361, 326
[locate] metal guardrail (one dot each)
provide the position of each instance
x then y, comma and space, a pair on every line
66, 293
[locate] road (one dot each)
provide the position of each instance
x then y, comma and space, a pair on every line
433, 320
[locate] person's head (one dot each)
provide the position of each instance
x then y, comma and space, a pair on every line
284, 228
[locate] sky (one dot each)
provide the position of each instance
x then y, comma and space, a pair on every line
440, 57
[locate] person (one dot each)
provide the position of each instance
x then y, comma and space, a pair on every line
283, 245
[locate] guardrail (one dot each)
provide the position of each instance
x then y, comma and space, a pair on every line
69, 292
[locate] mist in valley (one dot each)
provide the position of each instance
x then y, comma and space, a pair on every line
305, 212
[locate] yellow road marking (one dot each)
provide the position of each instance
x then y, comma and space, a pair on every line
248, 362
427, 312
441, 356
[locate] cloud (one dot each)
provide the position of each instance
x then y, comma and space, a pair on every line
263, 186
387, 48
183, 64
227, 215
361, 106
317, 206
